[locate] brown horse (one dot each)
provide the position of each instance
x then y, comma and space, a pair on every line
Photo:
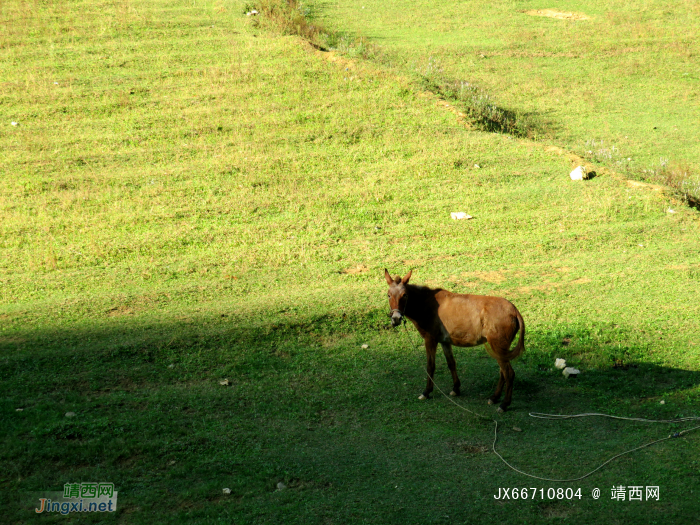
461, 320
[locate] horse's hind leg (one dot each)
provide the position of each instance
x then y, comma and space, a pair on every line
507, 375
498, 349
452, 365
430, 349
499, 387
510, 377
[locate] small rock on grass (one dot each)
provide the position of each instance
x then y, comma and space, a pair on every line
227, 491
579, 173
281, 486
225, 382
560, 364
571, 372
365, 347
70, 414
517, 429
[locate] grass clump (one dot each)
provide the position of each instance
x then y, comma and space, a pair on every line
682, 178
292, 17
289, 17
481, 108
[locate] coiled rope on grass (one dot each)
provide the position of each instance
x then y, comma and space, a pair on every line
540, 415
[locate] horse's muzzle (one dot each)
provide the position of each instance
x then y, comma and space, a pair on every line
396, 317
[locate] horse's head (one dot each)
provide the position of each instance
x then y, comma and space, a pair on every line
398, 296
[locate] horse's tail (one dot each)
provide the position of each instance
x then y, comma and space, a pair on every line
521, 340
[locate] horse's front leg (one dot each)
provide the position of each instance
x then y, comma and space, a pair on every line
452, 365
430, 349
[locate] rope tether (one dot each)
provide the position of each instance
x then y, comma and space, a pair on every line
539, 415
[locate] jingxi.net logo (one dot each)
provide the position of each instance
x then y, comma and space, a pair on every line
80, 497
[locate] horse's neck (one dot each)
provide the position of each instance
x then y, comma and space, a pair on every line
418, 305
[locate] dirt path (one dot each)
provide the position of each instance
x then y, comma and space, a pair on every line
561, 15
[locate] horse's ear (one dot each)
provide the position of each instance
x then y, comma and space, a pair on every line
388, 278
408, 276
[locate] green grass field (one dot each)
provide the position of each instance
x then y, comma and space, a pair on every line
188, 196
621, 86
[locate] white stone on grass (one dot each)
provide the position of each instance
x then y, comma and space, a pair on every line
560, 364
569, 371
459, 215
579, 173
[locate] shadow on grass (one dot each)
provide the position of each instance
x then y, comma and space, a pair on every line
125, 354
305, 406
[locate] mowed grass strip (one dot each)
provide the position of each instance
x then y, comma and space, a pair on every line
192, 200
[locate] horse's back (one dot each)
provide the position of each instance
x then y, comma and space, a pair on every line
463, 304
472, 319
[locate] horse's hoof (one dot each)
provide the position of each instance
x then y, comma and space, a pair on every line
453, 393
422, 397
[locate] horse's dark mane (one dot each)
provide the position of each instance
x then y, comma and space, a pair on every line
420, 289
419, 297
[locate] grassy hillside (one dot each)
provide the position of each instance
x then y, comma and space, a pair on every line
187, 198
616, 82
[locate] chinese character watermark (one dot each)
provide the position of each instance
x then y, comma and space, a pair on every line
79, 497
634, 493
